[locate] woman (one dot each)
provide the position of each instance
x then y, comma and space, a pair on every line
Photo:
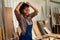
24, 19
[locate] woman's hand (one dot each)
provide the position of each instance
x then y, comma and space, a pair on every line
34, 8
28, 4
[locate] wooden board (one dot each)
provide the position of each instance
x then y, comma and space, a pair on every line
8, 21
57, 29
47, 24
1, 25
19, 30
33, 34
0, 33
41, 26
36, 29
57, 18
52, 16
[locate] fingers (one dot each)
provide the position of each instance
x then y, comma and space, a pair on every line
27, 3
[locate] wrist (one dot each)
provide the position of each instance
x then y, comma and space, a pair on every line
30, 5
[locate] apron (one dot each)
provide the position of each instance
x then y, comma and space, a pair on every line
28, 34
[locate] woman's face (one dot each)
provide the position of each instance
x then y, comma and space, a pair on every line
26, 11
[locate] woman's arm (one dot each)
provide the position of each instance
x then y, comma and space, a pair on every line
17, 8
17, 12
18, 16
35, 10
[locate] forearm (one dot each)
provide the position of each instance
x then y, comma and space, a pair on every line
18, 6
34, 8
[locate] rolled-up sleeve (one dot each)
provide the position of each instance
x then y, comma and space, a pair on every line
33, 14
17, 15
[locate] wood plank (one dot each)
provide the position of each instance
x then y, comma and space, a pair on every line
19, 30
8, 20
41, 27
47, 24
33, 35
1, 25
36, 29
0, 33
52, 16
57, 18
52, 35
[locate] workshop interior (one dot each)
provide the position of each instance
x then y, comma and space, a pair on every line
46, 24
